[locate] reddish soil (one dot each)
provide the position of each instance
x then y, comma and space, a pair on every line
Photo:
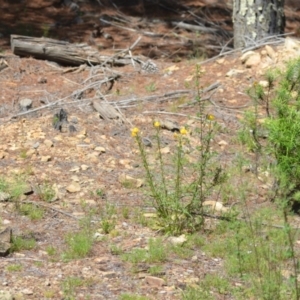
29, 144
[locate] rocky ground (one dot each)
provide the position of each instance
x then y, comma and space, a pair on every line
87, 161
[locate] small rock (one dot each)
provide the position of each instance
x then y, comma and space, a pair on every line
291, 44
129, 181
74, 187
27, 291
25, 104
147, 142
5, 241
84, 167
5, 295
155, 281
222, 143
233, 72
178, 240
27, 190
48, 143
192, 280
194, 258
215, 205
4, 196
270, 51
109, 274
220, 61
36, 145
100, 149
264, 83
150, 215
253, 60
246, 55
72, 128
45, 158
75, 178
75, 169
42, 80
169, 125
30, 152
74, 120
165, 150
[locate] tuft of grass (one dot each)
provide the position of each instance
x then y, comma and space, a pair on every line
79, 245
20, 243
14, 268
151, 87
132, 297
108, 218
32, 211
46, 192
69, 286
115, 249
155, 270
51, 250
156, 252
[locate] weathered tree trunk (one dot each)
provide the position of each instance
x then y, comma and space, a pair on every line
63, 52
255, 20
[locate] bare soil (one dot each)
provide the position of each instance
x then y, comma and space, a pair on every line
30, 145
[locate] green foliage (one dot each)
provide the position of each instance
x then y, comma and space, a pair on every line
178, 189
51, 250
256, 253
155, 270
151, 87
14, 268
31, 210
69, 286
282, 127
46, 192
21, 243
79, 245
132, 297
108, 218
156, 252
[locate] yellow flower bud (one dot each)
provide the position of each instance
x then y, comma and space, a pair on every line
134, 131
156, 124
210, 117
183, 131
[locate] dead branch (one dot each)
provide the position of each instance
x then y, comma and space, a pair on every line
52, 208
193, 27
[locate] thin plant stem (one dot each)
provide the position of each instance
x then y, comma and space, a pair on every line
161, 164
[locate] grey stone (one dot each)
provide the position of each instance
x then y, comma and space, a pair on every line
5, 239
5, 295
4, 196
25, 104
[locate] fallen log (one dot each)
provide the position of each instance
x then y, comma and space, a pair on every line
64, 52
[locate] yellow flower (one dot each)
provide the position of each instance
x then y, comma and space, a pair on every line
156, 124
210, 117
183, 131
134, 131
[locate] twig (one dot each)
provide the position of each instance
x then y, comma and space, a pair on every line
21, 258
193, 27
147, 33
244, 220
49, 207
221, 54
149, 112
123, 51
